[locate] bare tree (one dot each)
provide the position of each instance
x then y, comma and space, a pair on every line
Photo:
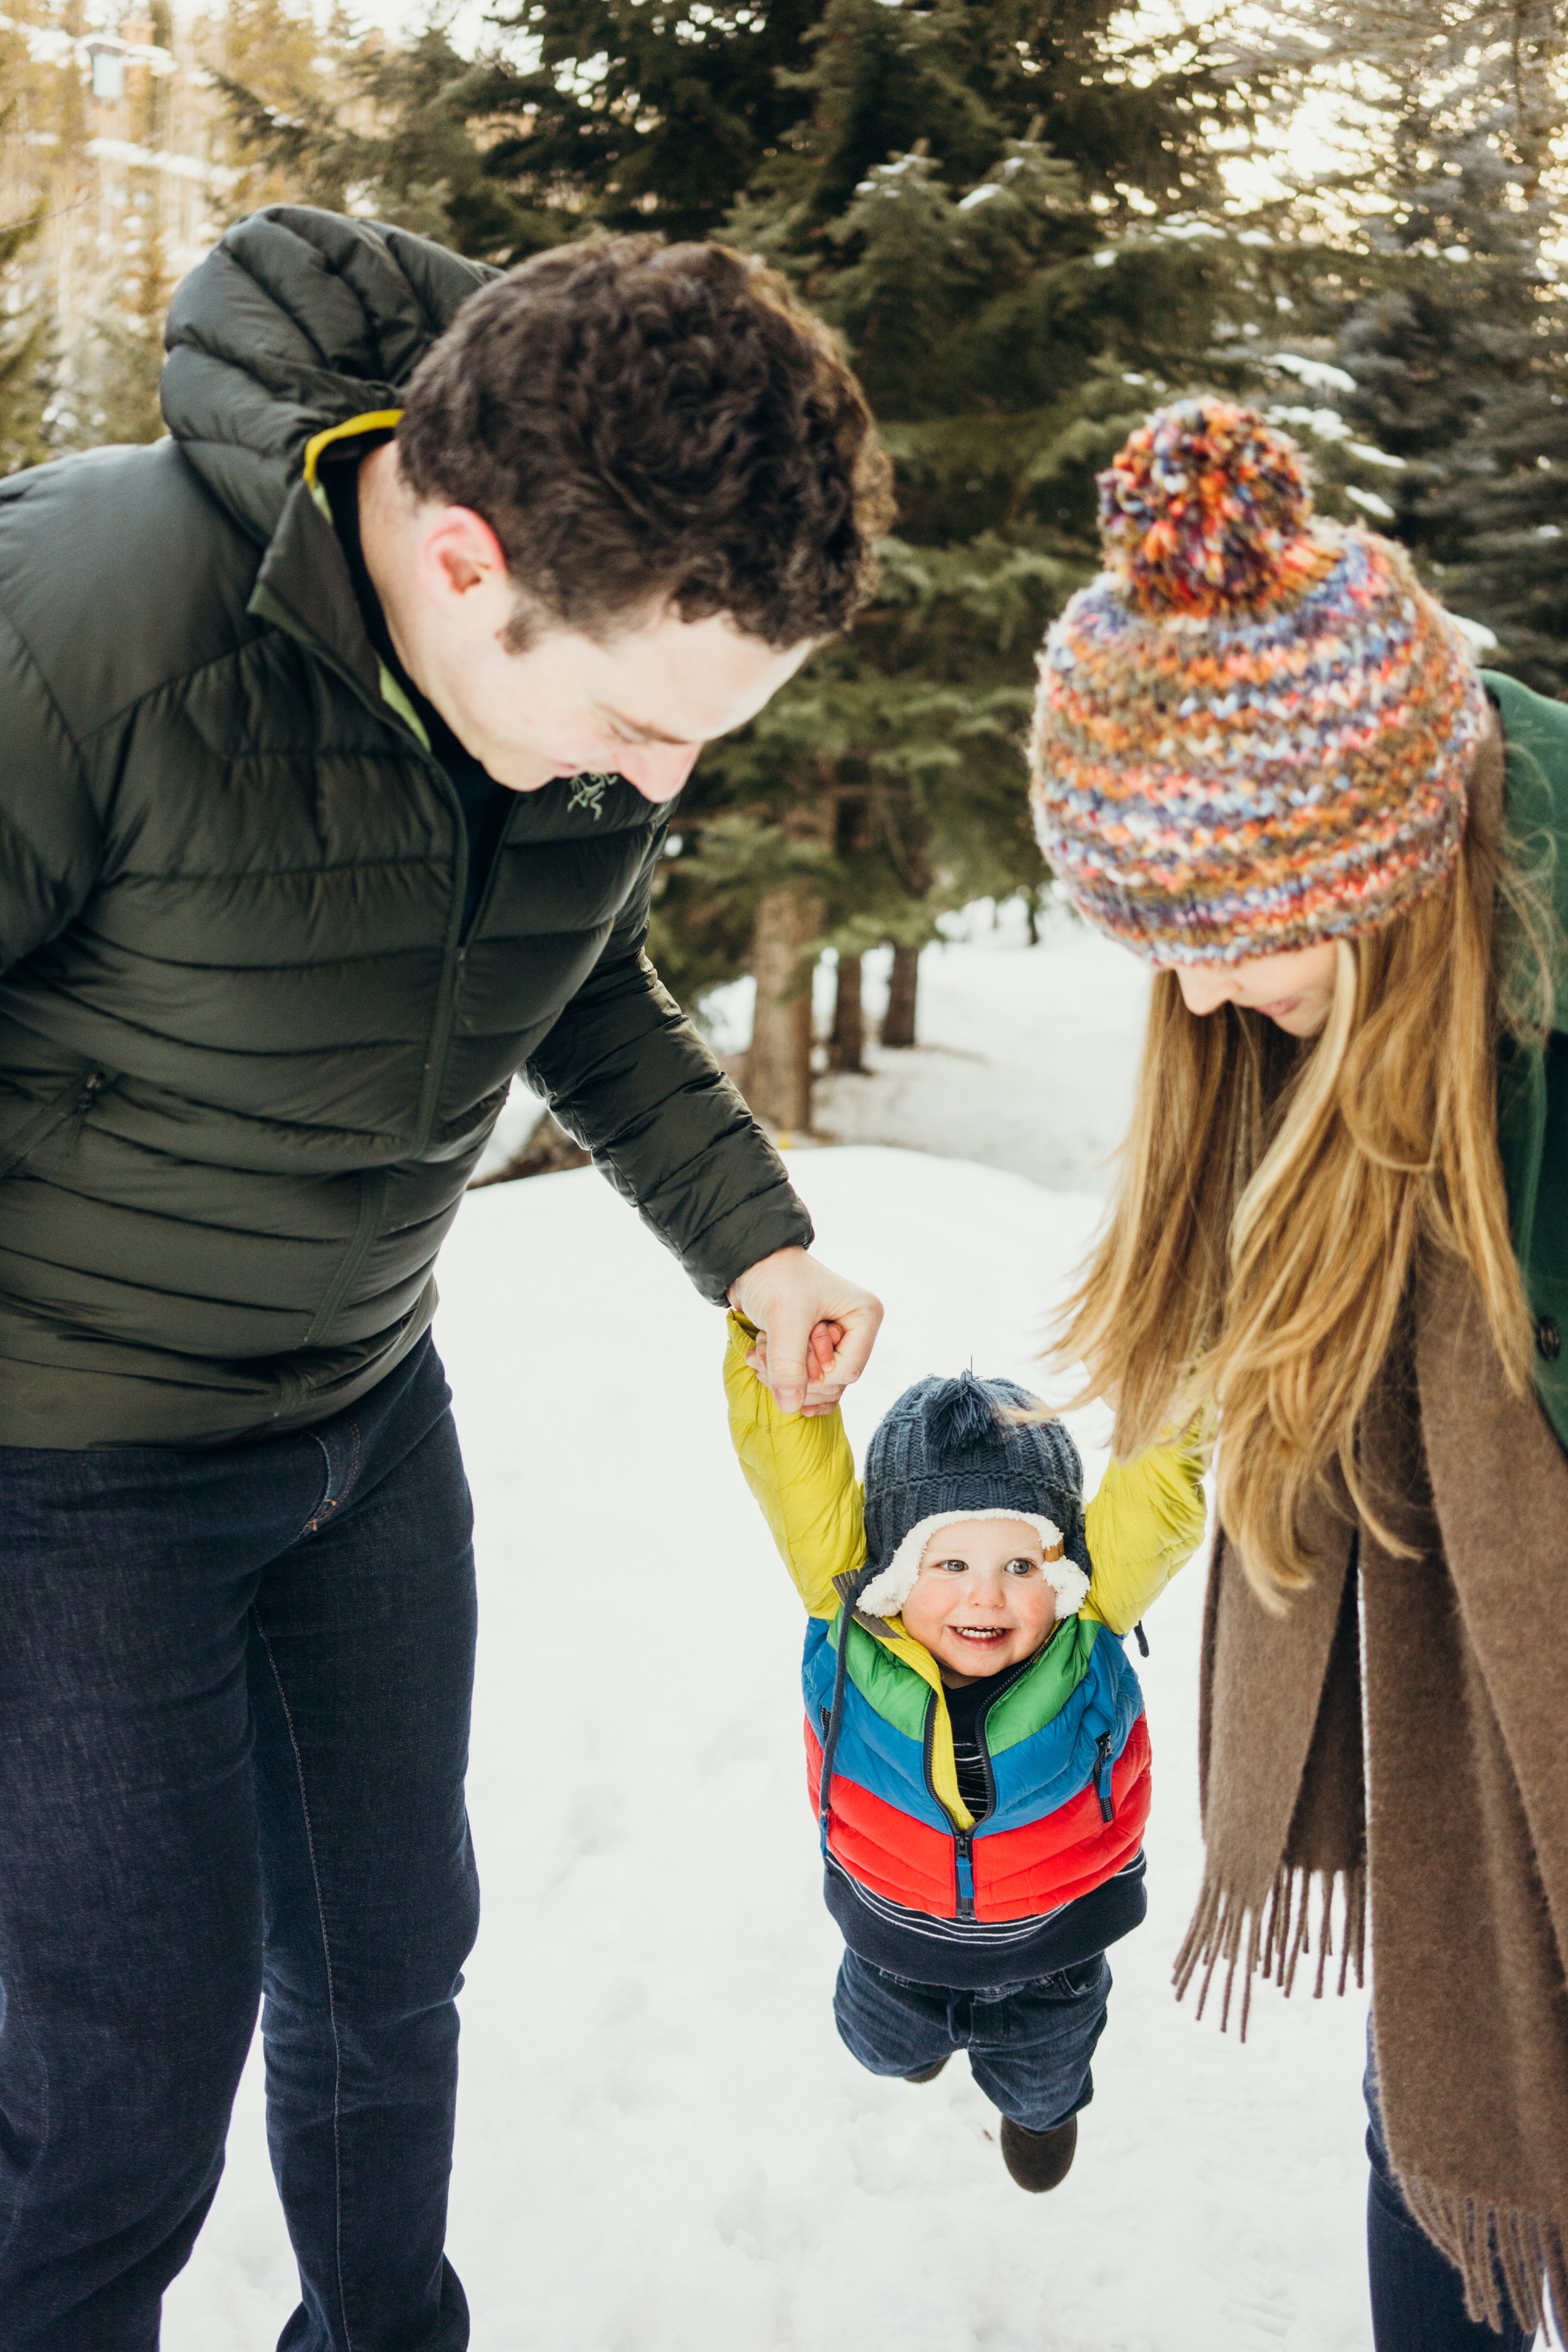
847, 1046
898, 1021
777, 1080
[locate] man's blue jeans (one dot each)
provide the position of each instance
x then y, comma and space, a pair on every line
1418, 2295
234, 1712
1029, 2044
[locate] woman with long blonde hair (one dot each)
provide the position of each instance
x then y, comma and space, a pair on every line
1263, 759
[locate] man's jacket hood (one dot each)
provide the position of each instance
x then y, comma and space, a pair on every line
298, 321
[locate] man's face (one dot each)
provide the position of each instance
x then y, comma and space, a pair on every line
640, 703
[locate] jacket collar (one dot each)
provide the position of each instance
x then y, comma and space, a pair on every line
304, 585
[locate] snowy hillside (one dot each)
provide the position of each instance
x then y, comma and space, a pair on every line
662, 2145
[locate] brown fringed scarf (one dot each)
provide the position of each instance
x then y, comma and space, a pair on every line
1461, 1659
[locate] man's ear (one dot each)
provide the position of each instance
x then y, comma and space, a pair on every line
462, 553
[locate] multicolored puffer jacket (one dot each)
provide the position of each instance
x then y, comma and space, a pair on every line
1067, 1745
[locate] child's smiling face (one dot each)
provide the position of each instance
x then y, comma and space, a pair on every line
981, 1601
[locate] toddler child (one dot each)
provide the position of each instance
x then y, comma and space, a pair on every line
976, 1750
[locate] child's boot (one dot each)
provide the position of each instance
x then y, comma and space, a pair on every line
927, 2073
1039, 2160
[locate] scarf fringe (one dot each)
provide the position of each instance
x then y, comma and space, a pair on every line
1228, 1930
1505, 2257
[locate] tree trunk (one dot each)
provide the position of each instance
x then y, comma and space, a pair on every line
777, 1082
846, 1047
898, 1021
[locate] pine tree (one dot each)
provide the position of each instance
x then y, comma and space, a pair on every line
24, 379
1458, 347
101, 141
123, 360
30, 139
629, 118
1010, 318
999, 204
391, 129
642, 118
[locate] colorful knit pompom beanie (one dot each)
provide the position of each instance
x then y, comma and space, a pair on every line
1254, 729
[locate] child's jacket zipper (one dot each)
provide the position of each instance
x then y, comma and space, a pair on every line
964, 1840
1101, 1777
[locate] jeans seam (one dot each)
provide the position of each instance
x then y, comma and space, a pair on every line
331, 1992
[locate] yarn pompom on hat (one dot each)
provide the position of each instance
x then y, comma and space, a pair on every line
949, 1452
1254, 729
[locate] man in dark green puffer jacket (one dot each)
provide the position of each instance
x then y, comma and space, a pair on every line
339, 734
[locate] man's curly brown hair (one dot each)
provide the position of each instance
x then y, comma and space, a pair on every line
640, 424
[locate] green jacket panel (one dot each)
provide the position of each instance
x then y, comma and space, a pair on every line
247, 1064
1533, 1086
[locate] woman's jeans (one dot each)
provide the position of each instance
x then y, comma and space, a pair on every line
234, 1714
1418, 2295
1029, 2043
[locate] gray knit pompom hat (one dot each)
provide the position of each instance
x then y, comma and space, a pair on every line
946, 1453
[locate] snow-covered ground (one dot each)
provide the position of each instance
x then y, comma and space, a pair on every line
1026, 1057
663, 2146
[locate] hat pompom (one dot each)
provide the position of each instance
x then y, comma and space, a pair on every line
960, 1415
1207, 511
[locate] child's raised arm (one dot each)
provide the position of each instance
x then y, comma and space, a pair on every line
1145, 1522
803, 1474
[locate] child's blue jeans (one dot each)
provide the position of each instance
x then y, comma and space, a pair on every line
1029, 2044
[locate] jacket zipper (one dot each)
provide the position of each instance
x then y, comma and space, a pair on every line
981, 1719
454, 953
963, 1839
1100, 1778
73, 1102
367, 1226
452, 971
454, 963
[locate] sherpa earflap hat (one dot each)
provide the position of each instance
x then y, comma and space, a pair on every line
1254, 729
947, 1453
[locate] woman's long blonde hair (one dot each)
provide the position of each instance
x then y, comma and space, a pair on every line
1276, 1194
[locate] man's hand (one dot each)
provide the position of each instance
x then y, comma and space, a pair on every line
816, 1329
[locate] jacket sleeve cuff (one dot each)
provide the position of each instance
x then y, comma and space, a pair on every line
774, 1219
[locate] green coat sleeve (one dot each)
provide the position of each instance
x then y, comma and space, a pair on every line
628, 1077
49, 833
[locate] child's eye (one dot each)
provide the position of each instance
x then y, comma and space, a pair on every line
1022, 1568
954, 1567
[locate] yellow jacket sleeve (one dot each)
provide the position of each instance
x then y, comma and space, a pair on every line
802, 1473
1145, 1522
